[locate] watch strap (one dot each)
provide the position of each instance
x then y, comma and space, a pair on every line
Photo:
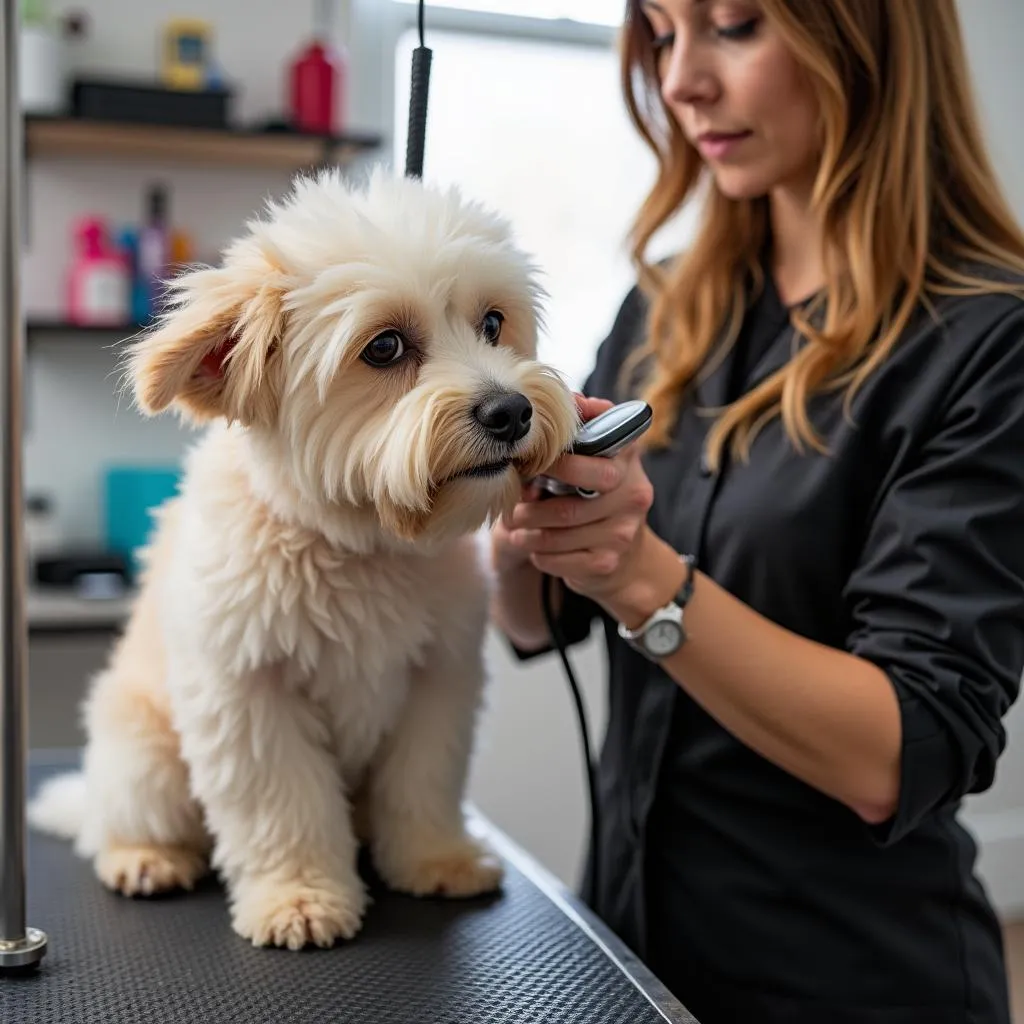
686, 590
635, 636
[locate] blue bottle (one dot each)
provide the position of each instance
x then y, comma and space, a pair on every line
140, 307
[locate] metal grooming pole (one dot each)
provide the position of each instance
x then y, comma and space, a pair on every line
21, 947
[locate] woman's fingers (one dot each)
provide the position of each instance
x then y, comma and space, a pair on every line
578, 565
591, 407
590, 472
559, 513
608, 534
632, 497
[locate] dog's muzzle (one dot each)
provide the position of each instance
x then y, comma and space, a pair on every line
503, 419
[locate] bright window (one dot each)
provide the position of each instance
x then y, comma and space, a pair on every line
595, 12
538, 130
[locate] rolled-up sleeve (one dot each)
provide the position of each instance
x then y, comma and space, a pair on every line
938, 597
574, 621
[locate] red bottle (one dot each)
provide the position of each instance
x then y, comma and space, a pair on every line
315, 78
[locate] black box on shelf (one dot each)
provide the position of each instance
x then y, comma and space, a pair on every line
66, 568
145, 103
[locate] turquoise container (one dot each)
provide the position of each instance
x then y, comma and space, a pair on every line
131, 493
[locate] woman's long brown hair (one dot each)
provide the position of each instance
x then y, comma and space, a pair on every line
910, 203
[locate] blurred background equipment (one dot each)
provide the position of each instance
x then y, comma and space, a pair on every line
42, 59
187, 54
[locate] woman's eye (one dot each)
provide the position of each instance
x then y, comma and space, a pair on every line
491, 326
385, 349
743, 30
663, 42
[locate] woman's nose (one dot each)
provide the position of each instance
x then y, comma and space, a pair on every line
688, 77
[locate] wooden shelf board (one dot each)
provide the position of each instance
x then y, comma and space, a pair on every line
56, 136
38, 329
44, 326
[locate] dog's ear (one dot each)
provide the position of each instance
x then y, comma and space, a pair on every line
216, 350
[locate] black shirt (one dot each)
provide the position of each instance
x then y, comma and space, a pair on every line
754, 896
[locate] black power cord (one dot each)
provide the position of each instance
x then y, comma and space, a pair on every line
415, 145
590, 764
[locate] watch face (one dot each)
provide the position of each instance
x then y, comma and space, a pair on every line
662, 638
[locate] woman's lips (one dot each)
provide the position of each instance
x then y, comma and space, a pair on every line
718, 145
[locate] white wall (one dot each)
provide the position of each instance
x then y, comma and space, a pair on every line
994, 30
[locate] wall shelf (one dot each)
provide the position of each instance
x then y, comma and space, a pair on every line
37, 327
103, 140
40, 325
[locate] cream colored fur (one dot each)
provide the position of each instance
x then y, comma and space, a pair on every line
304, 661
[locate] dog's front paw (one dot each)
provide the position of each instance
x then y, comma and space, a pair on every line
297, 914
460, 867
146, 870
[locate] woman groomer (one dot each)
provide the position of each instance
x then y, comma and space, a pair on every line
833, 490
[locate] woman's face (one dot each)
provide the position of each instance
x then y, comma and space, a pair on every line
738, 94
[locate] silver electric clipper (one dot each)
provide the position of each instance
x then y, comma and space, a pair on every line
603, 436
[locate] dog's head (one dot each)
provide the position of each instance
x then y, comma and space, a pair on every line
381, 341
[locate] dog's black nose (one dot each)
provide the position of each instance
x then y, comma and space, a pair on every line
505, 417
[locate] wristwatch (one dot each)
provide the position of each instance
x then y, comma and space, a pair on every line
663, 633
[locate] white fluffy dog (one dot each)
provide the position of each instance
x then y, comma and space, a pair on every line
304, 665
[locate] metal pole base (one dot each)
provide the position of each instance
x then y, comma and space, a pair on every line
25, 953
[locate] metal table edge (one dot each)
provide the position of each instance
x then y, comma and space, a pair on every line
654, 991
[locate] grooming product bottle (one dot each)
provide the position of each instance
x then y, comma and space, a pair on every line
99, 286
316, 79
154, 252
128, 242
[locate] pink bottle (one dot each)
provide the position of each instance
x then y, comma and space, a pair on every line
99, 287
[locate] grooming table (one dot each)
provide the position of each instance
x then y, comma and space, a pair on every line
532, 953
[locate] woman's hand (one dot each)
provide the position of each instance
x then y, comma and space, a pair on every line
591, 544
507, 554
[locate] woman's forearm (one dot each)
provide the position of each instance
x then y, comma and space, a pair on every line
826, 716
517, 609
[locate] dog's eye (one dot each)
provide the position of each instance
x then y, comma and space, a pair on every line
491, 327
386, 348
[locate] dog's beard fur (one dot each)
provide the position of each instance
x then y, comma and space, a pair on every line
272, 340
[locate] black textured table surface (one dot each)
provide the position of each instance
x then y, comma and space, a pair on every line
531, 954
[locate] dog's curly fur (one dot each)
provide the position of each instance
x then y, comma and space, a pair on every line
304, 664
